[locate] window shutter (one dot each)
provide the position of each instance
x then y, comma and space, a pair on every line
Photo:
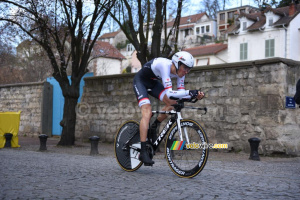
246, 51
272, 48
241, 51
267, 48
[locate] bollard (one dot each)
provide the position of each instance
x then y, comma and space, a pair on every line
254, 143
43, 141
94, 145
8, 137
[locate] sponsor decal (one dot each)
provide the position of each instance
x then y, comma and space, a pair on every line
172, 133
121, 132
186, 124
202, 158
137, 91
172, 164
206, 146
181, 58
161, 136
168, 85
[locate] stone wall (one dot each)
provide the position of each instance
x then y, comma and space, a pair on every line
26, 98
244, 100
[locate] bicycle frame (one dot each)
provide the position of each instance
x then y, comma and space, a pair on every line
168, 125
177, 129
175, 117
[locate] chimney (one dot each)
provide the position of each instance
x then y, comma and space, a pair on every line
292, 8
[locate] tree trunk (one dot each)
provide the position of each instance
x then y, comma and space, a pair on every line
157, 28
69, 121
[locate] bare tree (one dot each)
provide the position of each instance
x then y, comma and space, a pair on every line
137, 18
67, 31
33, 60
262, 4
211, 7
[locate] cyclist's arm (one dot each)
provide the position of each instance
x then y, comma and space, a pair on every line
180, 83
167, 82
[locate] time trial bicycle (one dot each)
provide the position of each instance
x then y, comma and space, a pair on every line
182, 147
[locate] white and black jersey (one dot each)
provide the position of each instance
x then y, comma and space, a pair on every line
147, 78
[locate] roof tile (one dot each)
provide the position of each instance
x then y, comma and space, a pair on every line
187, 20
206, 50
109, 35
259, 18
104, 49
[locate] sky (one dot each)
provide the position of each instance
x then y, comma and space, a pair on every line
194, 6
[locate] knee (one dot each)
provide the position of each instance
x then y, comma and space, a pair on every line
146, 111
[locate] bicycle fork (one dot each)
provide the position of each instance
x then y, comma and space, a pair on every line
178, 120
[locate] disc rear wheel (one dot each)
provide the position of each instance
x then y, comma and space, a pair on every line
127, 146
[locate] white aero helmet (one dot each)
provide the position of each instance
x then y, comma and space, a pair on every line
183, 57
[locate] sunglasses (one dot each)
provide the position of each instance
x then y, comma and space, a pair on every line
186, 68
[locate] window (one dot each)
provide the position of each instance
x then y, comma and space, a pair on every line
207, 28
198, 30
270, 48
130, 47
243, 51
242, 10
230, 15
186, 32
270, 21
222, 16
202, 29
244, 26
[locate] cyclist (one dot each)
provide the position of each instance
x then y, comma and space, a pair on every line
147, 78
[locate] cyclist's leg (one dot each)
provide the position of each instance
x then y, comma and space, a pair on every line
140, 87
159, 92
144, 124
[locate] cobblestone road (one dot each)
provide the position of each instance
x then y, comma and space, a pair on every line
71, 173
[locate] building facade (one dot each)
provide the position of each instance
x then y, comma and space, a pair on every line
226, 18
275, 32
105, 59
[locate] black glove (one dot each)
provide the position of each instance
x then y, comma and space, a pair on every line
193, 93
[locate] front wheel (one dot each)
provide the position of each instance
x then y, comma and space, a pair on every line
127, 146
186, 158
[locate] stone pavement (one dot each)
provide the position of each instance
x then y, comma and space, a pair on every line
71, 173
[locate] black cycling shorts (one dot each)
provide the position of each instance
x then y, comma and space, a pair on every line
144, 80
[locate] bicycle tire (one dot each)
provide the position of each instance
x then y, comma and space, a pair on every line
125, 158
187, 162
